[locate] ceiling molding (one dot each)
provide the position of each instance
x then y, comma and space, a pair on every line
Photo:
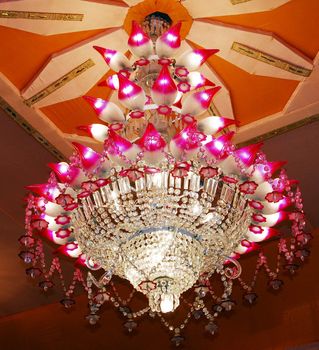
34, 117
51, 16
280, 131
74, 73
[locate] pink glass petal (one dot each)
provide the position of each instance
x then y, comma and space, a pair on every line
169, 42
151, 139
247, 154
89, 158
164, 91
139, 43
130, 95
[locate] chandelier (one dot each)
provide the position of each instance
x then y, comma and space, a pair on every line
169, 204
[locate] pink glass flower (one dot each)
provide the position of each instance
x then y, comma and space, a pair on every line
136, 114
256, 229
256, 205
83, 194
65, 172
116, 126
181, 72
213, 124
98, 131
71, 206
89, 186
229, 180
151, 170
132, 174
208, 172
188, 119
165, 110
181, 169
274, 197
183, 87
217, 147
164, 61
102, 182
63, 219
197, 80
63, 233
64, 199
125, 72
248, 187
39, 224
142, 62
259, 218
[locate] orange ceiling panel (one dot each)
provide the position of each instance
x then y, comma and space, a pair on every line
68, 115
23, 53
295, 22
253, 97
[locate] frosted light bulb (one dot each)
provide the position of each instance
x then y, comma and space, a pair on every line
107, 111
131, 95
164, 91
167, 303
139, 43
115, 60
169, 42
193, 59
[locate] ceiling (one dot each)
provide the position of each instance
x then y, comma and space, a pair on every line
35, 53
267, 88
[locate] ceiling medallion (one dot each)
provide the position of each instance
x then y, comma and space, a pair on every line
170, 204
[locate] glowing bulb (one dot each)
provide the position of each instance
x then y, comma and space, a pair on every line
205, 96
171, 37
98, 103
138, 37
218, 145
196, 58
167, 303
87, 154
128, 89
196, 79
163, 81
64, 167
184, 135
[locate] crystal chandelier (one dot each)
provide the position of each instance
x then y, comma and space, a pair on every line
169, 204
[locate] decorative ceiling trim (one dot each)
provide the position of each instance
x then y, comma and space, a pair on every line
269, 59
60, 82
280, 131
30, 129
236, 2
41, 15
